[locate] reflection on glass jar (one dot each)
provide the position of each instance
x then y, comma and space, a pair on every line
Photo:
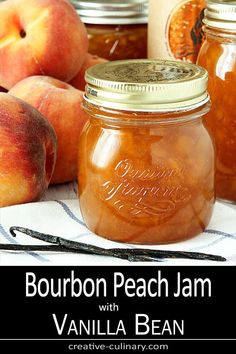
146, 162
218, 56
116, 30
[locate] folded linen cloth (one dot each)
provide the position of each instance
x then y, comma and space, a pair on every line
63, 218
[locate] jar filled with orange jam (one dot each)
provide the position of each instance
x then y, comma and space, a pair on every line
146, 161
116, 29
218, 56
175, 29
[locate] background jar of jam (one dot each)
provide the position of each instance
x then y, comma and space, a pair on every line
146, 161
218, 56
175, 29
117, 29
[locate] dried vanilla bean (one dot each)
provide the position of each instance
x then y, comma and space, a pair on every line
32, 248
174, 254
74, 246
137, 254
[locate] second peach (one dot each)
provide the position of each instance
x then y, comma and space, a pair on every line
61, 104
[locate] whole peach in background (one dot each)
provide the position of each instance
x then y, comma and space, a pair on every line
40, 37
61, 104
79, 81
27, 152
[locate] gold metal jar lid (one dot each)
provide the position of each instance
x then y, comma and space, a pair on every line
147, 85
112, 12
220, 14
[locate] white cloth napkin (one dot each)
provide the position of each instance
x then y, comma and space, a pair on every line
63, 218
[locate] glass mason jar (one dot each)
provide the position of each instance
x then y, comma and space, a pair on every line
175, 29
116, 29
218, 56
146, 161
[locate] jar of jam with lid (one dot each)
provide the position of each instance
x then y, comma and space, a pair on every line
116, 29
218, 56
146, 161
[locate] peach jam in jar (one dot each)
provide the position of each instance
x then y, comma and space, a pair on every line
175, 29
116, 29
218, 56
146, 161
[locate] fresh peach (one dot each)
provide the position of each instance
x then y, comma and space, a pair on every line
60, 103
40, 37
90, 60
27, 152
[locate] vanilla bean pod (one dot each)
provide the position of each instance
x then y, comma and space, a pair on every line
62, 249
137, 254
32, 248
74, 246
60, 241
174, 254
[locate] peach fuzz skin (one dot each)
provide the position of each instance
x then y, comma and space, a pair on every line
40, 37
27, 152
61, 104
90, 60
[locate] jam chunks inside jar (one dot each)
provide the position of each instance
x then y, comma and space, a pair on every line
146, 161
218, 56
116, 29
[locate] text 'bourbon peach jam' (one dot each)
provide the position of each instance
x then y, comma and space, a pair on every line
116, 29
146, 162
218, 56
